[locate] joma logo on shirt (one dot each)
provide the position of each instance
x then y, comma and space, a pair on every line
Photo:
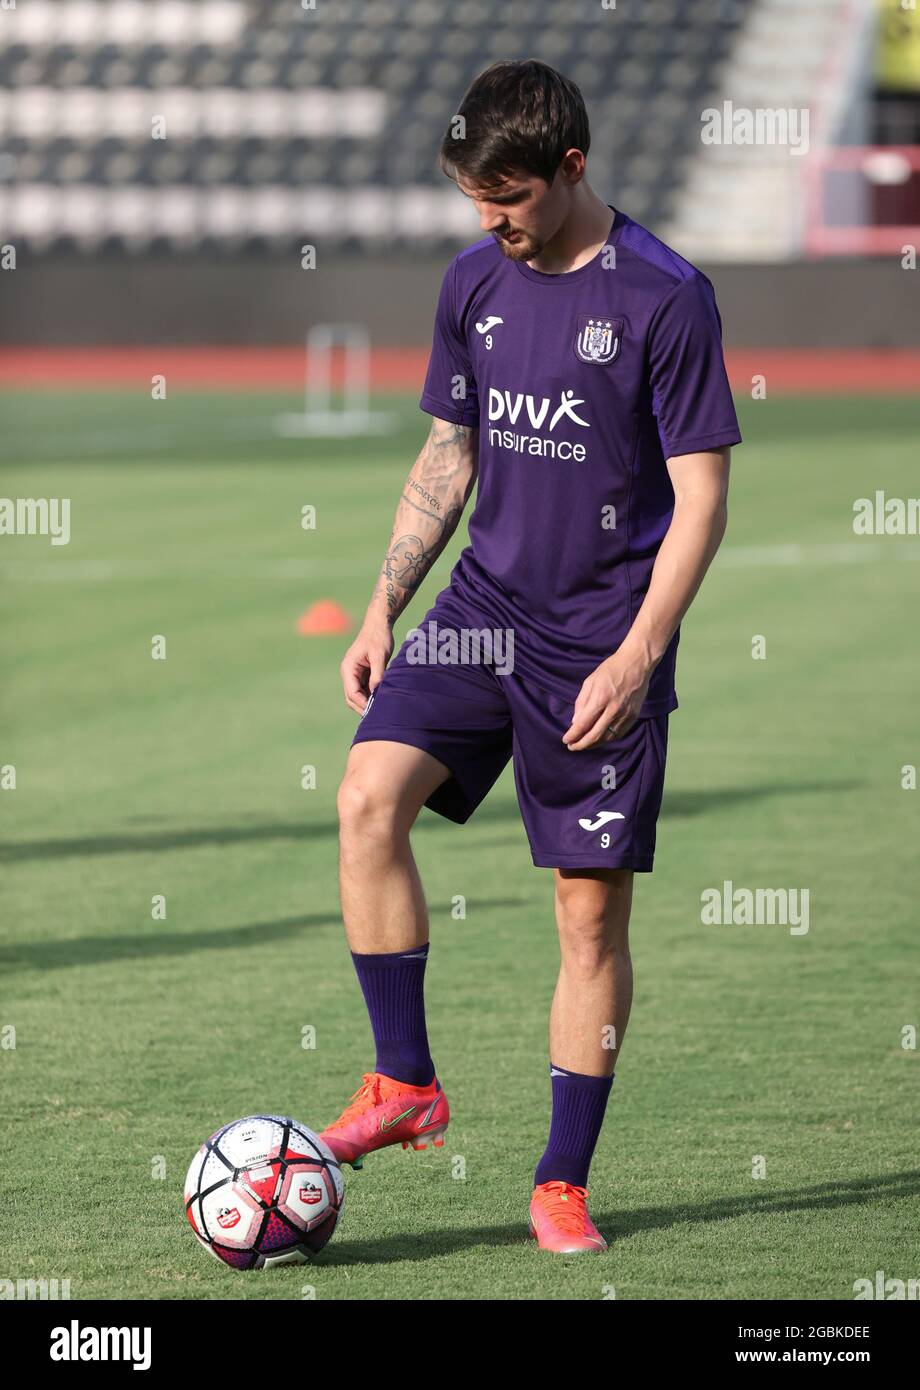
501, 403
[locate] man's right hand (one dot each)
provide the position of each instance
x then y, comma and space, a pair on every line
365, 661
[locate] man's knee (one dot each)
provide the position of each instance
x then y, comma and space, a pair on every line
592, 916
367, 807
380, 796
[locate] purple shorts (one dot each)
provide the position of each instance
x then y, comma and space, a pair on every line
595, 809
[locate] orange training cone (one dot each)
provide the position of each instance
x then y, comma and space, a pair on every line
323, 617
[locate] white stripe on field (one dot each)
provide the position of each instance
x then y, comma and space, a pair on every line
853, 552
64, 570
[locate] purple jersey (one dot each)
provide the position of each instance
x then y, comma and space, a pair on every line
581, 385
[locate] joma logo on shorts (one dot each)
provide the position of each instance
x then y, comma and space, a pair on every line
602, 818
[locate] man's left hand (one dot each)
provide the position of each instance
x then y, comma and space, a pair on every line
609, 701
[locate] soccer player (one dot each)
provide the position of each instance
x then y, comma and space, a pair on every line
577, 373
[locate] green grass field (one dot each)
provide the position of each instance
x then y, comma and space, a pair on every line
135, 1038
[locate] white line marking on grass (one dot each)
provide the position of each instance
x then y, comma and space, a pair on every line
97, 443
94, 572
834, 553
132, 440
63, 570
68, 572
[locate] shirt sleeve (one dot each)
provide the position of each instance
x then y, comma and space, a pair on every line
691, 396
450, 387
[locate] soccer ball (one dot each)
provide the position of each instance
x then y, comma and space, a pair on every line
264, 1191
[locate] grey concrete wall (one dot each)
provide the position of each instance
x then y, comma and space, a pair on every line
74, 301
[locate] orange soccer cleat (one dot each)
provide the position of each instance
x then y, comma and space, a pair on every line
559, 1219
384, 1111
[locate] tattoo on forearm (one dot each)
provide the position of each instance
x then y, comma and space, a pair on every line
425, 496
439, 484
406, 562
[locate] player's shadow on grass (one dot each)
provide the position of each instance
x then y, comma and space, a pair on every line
697, 803
618, 1225
150, 942
826, 1196
678, 803
158, 841
394, 1248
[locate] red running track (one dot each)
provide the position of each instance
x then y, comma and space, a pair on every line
843, 371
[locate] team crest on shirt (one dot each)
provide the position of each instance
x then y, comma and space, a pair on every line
598, 339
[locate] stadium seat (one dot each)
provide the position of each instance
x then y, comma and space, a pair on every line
272, 98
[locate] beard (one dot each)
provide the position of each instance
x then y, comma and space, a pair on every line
524, 249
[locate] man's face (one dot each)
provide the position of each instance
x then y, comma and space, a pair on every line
521, 212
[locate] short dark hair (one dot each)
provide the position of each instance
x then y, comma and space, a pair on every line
519, 115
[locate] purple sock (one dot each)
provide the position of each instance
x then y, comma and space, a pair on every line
393, 985
579, 1103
